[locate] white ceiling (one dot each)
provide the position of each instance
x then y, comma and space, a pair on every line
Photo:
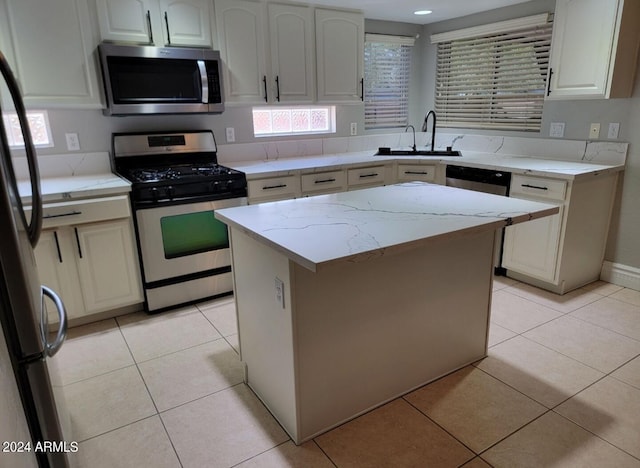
402, 10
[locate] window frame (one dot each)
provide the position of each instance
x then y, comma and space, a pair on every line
504, 91
330, 128
378, 113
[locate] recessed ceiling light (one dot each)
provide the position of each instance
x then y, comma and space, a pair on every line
422, 12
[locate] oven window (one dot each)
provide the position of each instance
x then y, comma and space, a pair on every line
192, 233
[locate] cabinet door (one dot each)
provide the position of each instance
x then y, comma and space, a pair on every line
186, 22
57, 270
128, 20
107, 265
51, 47
240, 26
581, 52
532, 248
340, 55
292, 53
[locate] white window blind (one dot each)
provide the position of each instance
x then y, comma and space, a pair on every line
493, 77
387, 74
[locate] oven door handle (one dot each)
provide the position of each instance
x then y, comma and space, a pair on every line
202, 66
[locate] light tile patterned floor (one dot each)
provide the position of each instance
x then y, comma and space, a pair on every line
560, 387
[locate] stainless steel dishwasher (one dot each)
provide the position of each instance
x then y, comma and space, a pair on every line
487, 181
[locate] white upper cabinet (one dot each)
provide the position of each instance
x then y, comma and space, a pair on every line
283, 53
50, 47
240, 26
340, 55
187, 22
594, 49
292, 53
160, 23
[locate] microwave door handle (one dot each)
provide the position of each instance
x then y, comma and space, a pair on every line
204, 80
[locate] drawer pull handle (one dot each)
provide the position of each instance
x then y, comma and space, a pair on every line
537, 187
416, 172
78, 242
55, 236
323, 181
269, 187
71, 213
363, 176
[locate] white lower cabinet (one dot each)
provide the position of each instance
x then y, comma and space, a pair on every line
323, 182
93, 265
411, 172
564, 251
364, 177
532, 247
273, 188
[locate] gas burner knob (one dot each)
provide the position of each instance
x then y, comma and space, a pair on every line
215, 185
170, 191
155, 193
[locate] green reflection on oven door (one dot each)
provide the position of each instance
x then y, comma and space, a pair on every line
192, 233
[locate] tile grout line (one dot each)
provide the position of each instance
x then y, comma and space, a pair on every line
150, 396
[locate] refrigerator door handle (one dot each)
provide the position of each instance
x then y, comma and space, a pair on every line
34, 226
50, 349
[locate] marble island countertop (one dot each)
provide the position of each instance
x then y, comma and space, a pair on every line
359, 225
567, 170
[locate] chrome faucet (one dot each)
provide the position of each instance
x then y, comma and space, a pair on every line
414, 147
433, 128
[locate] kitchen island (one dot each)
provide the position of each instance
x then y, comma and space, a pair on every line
346, 301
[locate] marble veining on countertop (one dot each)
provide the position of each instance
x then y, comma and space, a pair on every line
514, 164
358, 225
83, 186
71, 176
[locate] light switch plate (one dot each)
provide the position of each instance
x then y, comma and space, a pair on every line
230, 133
614, 131
556, 130
354, 128
73, 143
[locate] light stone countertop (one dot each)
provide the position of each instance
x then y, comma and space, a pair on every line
566, 170
62, 188
364, 224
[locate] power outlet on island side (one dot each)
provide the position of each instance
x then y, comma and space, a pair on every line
280, 292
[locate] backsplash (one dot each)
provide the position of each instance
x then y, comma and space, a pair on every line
610, 153
567, 150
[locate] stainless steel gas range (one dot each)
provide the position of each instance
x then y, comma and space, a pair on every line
176, 187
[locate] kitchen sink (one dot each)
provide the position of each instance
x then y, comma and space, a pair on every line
389, 152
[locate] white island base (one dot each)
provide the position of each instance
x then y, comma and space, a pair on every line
356, 334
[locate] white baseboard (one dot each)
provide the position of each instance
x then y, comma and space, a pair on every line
621, 275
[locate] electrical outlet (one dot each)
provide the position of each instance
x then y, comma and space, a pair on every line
614, 131
280, 292
556, 130
73, 143
594, 131
231, 134
354, 128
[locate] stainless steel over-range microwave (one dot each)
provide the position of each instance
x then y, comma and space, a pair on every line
161, 80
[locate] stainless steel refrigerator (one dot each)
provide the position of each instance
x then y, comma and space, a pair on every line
31, 407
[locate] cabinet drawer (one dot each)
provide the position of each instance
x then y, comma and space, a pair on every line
275, 188
372, 175
538, 187
84, 211
422, 172
323, 181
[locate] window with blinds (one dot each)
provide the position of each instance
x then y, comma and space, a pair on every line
387, 74
493, 76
